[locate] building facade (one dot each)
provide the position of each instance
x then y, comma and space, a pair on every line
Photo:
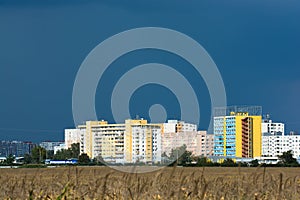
205, 144
98, 138
15, 148
131, 142
72, 136
198, 142
142, 142
268, 126
275, 142
275, 145
136, 140
237, 135
49, 146
174, 126
59, 147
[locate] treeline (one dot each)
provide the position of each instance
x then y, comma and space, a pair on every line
178, 156
181, 157
39, 154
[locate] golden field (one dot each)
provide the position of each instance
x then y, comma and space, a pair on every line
167, 183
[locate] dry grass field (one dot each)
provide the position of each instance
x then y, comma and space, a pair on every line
168, 183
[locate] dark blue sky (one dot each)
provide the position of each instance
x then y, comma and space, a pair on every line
255, 44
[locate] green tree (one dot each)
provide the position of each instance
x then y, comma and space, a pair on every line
10, 159
287, 159
50, 154
164, 158
203, 161
176, 153
99, 160
27, 159
228, 162
254, 163
84, 159
186, 158
38, 154
181, 156
65, 154
75, 150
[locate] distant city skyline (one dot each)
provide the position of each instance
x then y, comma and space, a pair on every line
254, 44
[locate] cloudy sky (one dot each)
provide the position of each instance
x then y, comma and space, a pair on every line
255, 44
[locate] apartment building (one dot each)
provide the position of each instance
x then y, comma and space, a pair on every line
174, 126
198, 142
131, 142
100, 138
268, 126
275, 142
275, 145
238, 134
142, 142
72, 136
49, 145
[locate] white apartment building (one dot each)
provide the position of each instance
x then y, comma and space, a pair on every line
268, 126
275, 145
59, 148
49, 146
275, 142
102, 139
72, 136
142, 142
